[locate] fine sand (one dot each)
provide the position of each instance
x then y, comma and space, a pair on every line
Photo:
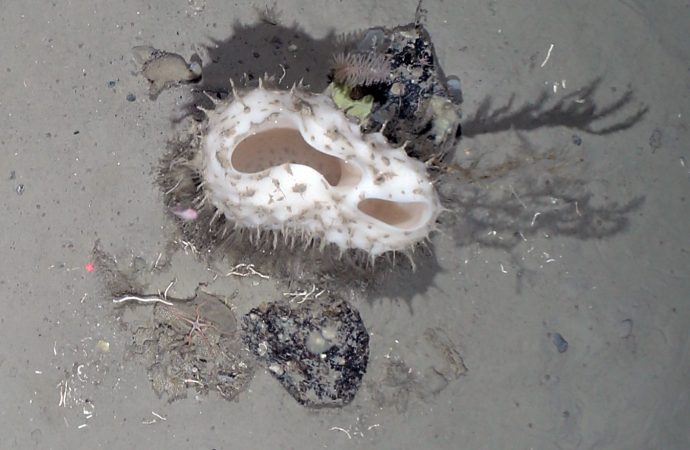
559, 277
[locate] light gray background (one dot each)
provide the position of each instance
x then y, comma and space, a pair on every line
615, 387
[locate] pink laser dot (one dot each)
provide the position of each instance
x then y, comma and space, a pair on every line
89, 267
185, 214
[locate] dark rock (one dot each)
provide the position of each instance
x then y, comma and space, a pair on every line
317, 350
416, 104
560, 342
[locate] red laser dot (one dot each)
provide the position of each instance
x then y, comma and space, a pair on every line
89, 267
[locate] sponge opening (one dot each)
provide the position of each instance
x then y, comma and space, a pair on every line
277, 146
403, 215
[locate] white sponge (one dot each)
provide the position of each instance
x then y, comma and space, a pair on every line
291, 163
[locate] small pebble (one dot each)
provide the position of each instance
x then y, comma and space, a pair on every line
112, 83
577, 140
625, 328
103, 346
454, 89
131, 97
560, 343
20, 189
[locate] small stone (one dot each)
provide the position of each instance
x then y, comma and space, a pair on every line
397, 89
560, 342
625, 328
20, 189
577, 140
112, 83
276, 369
103, 346
131, 97
454, 89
